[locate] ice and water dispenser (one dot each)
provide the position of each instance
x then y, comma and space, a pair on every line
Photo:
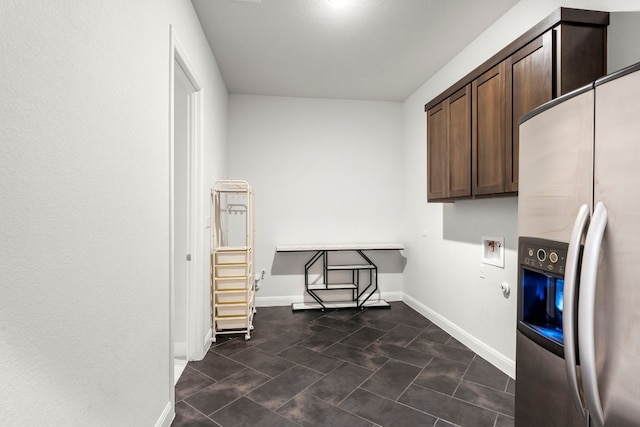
541, 291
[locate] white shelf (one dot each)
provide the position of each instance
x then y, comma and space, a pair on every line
341, 247
331, 286
351, 267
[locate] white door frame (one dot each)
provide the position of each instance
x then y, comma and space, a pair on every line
195, 221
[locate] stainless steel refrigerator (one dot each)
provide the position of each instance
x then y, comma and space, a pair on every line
578, 338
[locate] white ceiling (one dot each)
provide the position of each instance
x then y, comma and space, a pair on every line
368, 49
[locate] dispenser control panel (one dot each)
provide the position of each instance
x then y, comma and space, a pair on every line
542, 254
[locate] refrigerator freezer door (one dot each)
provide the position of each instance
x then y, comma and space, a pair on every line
542, 392
617, 300
556, 168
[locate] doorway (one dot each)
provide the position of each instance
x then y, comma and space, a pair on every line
182, 90
186, 202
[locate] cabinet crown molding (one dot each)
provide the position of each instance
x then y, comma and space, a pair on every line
562, 15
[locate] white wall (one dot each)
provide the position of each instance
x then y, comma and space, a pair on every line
442, 277
84, 216
324, 171
622, 40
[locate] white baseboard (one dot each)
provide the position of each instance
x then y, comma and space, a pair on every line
167, 416
207, 344
497, 359
392, 296
294, 299
180, 349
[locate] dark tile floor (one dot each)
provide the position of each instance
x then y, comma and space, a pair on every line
376, 367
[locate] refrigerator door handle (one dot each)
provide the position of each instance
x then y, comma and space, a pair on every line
569, 305
586, 313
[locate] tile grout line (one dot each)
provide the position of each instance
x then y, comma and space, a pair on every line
361, 383
224, 406
304, 389
200, 412
462, 377
405, 405
274, 410
463, 401
414, 378
403, 361
489, 387
202, 373
359, 387
415, 338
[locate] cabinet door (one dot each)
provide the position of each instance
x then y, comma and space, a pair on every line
581, 56
488, 133
437, 158
460, 143
529, 81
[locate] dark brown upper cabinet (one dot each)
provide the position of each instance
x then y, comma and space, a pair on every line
449, 154
460, 143
561, 60
565, 51
437, 159
487, 136
529, 80
580, 55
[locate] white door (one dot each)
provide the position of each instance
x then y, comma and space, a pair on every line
181, 211
188, 297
